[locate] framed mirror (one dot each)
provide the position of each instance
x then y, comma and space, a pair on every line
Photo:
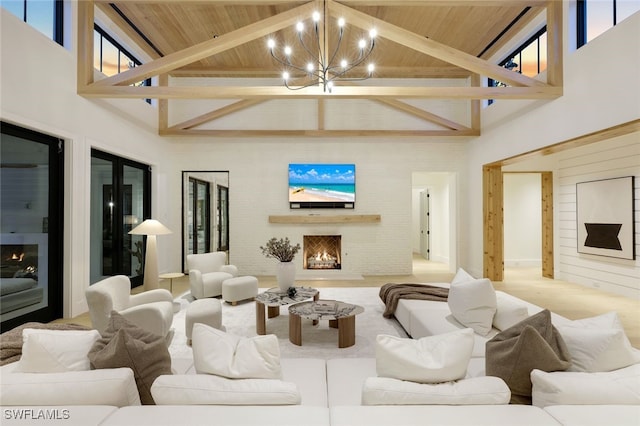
205, 212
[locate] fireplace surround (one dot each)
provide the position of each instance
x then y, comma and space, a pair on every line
322, 252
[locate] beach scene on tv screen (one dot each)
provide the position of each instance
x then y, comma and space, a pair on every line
322, 182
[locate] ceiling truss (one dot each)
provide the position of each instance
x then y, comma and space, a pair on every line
118, 86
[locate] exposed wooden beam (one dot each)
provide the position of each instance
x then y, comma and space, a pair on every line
555, 53
515, 29
163, 105
399, 72
432, 48
84, 65
476, 106
214, 115
208, 48
320, 133
422, 114
339, 92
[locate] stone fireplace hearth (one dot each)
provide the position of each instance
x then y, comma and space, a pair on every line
322, 252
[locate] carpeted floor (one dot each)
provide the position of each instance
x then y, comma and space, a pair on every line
318, 341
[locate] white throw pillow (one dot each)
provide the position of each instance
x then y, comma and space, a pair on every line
473, 304
223, 354
55, 351
474, 391
205, 389
509, 311
577, 388
112, 386
461, 277
432, 359
598, 344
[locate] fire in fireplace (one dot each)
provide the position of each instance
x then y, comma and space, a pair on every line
322, 251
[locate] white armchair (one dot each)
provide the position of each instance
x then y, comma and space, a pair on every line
206, 273
151, 310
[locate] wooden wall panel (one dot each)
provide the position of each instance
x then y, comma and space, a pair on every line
493, 218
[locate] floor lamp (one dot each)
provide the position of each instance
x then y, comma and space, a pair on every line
150, 228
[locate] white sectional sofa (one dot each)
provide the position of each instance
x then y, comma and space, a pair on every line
331, 392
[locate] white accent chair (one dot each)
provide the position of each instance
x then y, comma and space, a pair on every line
207, 271
151, 310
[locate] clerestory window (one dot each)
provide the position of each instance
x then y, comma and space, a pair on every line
594, 17
44, 15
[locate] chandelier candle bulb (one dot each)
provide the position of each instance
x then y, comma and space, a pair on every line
316, 63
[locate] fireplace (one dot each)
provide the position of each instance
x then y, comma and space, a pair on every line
19, 260
322, 251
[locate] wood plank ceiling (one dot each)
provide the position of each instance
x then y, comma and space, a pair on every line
227, 39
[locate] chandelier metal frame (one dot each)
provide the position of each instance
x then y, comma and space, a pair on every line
322, 69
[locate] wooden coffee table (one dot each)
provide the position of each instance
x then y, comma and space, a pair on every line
341, 315
274, 298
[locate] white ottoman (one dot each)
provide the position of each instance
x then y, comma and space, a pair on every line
205, 311
239, 288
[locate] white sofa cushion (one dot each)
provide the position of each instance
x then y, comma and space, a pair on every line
223, 354
432, 359
114, 386
598, 344
55, 351
473, 303
509, 311
595, 415
565, 388
441, 415
204, 389
474, 391
204, 415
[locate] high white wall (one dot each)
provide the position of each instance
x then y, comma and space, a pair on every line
38, 83
258, 188
598, 94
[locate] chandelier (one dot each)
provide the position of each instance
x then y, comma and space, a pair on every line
313, 65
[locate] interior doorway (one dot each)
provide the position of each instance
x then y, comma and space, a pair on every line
434, 217
205, 212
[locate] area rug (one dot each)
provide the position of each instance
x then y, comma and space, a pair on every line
319, 341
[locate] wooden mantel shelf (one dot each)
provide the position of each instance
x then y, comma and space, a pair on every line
315, 218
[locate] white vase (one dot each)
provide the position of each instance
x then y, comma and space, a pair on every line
285, 275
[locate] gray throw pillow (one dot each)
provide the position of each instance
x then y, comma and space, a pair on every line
531, 344
126, 345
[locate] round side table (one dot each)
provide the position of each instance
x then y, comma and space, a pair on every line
170, 276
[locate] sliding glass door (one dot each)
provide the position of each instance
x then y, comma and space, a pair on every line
120, 200
199, 217
31, 219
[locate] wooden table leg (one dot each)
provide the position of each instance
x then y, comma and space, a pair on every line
346, 331
315, 299
273, 311
295, 329
261, 326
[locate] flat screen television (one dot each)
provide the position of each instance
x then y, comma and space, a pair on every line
322, 185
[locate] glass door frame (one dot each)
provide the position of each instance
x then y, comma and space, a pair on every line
118, 190
54, 226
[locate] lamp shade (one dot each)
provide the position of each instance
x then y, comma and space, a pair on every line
150, 227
